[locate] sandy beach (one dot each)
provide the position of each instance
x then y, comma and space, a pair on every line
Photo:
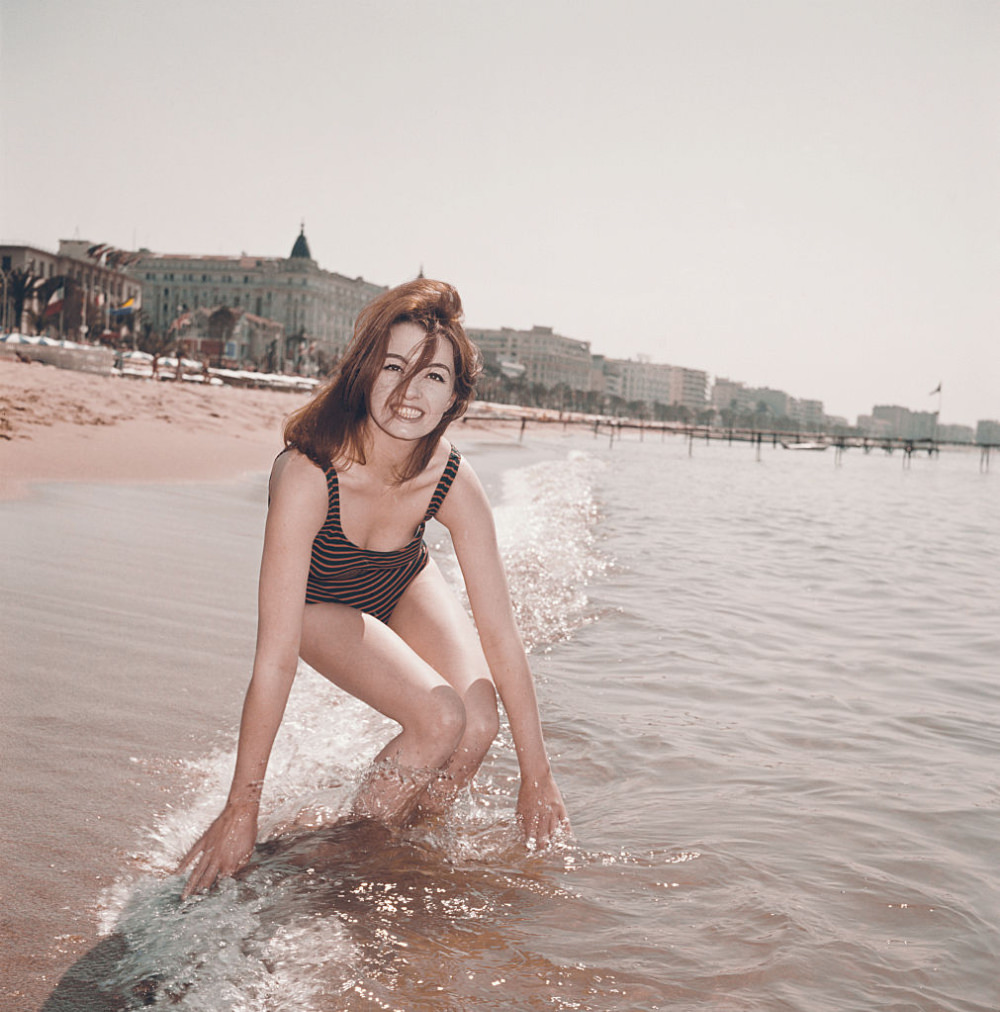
61, 425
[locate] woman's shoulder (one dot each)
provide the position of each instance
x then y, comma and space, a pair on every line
442, 458
465, 489
294, 471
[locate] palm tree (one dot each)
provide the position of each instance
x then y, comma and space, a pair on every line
22, 289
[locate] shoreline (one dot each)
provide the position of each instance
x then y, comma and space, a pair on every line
130, 629
64, 426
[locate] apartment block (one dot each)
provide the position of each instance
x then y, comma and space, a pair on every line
731, 395
546, 357
893, 420
655, 382
988, 432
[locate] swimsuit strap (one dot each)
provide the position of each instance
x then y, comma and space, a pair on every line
447, 477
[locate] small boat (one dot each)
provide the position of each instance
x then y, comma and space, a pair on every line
808, 445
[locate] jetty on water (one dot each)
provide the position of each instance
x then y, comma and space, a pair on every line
616, 428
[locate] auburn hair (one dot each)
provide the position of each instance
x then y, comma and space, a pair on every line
332, 426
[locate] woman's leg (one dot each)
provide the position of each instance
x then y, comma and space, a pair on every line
430, 618
367, 659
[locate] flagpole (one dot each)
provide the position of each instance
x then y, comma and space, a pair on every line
939, 390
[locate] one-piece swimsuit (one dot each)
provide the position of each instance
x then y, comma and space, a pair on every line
363, 578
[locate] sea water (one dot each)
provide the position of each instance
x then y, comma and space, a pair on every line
769, 688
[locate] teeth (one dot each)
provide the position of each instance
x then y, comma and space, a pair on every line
410, 414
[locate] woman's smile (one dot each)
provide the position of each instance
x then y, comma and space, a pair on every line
429, 391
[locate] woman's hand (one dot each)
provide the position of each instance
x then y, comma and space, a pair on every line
540, 810
222, 849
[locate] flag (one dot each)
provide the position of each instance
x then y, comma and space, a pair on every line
55, 302
936, 390
125, 309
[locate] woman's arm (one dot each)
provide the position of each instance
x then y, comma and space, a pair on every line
297, 509
467, 514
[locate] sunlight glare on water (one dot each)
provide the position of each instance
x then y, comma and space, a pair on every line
770, 697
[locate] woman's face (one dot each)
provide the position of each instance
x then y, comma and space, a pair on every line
429, 393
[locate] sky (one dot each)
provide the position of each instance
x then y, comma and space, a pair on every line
801, 194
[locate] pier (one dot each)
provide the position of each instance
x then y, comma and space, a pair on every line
615, 429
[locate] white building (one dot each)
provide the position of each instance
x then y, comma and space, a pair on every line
548, 358
313, 305
89, 300
808, 413
988, 432
655, 382
731, 395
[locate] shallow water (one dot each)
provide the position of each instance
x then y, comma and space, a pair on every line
770, 694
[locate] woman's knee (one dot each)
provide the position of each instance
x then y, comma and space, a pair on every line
482, 720
443, 719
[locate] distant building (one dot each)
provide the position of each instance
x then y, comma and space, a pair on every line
988, 432
955, 433
547, 358
868, 425
902, 423
809, 414
734, 396
690, 388
96, 296
778, 403
655, 383
638, 381
731, 395
312, 305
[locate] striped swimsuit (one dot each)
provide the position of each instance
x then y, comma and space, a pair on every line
365, 579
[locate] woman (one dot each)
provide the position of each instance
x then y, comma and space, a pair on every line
365, 466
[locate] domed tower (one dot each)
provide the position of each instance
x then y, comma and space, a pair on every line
300, 251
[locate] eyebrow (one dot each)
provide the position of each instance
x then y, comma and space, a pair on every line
406, 361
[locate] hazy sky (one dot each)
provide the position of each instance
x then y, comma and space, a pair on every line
793, 193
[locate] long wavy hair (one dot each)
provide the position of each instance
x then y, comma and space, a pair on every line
332, 426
